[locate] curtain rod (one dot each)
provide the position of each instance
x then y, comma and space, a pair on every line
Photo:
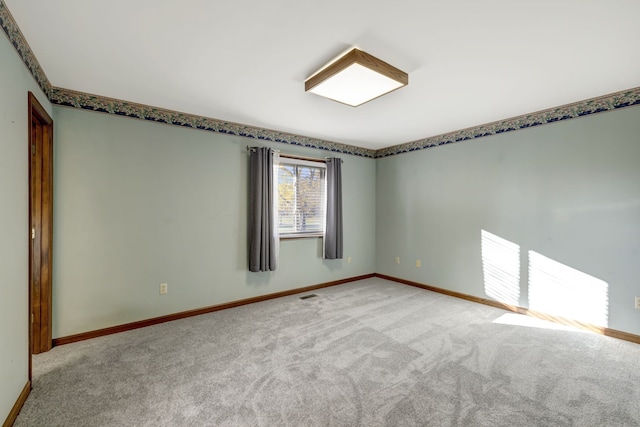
295, 156
309, 159
249, 149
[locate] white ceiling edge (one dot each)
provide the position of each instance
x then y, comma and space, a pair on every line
502, 60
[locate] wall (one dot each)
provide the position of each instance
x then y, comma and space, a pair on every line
558, 205
15, 82
140, 203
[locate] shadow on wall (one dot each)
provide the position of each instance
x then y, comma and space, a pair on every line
553, 288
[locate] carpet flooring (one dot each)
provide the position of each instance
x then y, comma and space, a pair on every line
367, 353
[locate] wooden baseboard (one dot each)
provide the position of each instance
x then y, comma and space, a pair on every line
13, 414
515, 309
170, 317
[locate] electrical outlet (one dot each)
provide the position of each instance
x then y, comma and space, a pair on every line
397, 260
418, 263
348, 260
638, 303
164, 288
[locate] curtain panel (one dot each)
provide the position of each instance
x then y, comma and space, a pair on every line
333, 227
263, 213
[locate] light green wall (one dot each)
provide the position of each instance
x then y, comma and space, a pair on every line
569, 191
140, 203
15, 82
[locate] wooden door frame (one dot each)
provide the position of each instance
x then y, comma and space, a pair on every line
40, 232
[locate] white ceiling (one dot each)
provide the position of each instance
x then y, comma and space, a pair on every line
469, 62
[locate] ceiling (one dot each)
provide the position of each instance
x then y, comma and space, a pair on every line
469, 62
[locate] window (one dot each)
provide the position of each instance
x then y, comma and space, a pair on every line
301, 197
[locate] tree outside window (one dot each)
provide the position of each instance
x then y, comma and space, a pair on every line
301, 198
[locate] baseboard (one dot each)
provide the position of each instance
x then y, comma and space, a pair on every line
556, 319
170, 317
13, 414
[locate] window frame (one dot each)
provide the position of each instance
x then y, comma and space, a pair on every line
289, 159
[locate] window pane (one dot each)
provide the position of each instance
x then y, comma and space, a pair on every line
310, 199
286, 198
301, 200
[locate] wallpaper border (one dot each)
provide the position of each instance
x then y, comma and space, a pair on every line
18, 41
625, 98
587, 107
71, 98
103, 104
75, 99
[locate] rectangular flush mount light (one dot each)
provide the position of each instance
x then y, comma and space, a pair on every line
356, 78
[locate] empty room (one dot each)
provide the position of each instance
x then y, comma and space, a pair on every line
334, 214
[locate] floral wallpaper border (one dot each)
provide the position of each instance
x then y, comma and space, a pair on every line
102, 104
86, 101
612, 101
18, 41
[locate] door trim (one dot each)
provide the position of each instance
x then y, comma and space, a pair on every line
40, 127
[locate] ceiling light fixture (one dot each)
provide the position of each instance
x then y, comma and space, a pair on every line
356, 78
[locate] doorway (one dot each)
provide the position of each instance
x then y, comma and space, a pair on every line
41, 223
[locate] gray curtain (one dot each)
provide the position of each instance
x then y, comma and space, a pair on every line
263, 252
333, 229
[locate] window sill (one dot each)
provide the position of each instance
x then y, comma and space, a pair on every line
299, 236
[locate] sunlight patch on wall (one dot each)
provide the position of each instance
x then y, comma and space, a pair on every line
560, 290
501, 268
